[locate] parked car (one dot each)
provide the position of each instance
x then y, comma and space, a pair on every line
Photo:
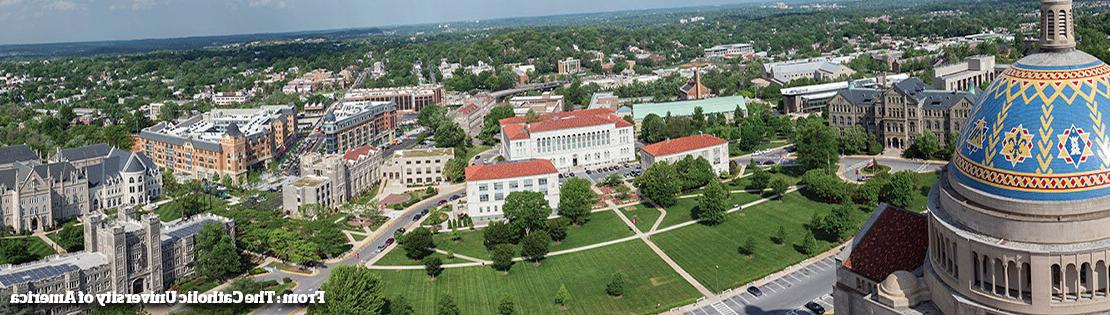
756, 292
815, 308
389, 241
442, 202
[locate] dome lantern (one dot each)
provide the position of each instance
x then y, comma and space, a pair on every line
1057, 31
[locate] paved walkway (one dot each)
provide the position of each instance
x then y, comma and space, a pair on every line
667, 259
42, 235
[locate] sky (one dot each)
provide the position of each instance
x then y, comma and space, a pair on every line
52, 21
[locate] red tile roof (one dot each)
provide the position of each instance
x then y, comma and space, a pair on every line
897, 240
358, 152
510, 170
683, 144
518, 127
468, 109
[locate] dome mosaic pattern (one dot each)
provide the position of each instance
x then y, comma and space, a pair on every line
1038, 133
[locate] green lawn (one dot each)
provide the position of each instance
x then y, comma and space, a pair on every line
172, 210
478, 290
683, 210
472, 152
644, 216
717, 245
603, 226
396, 257
924, 182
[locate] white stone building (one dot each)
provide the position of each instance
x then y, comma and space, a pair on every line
488, 185
417, 167
712, 149
591, 137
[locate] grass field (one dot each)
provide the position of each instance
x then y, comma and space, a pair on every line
172, 210
924, 182
717, 245
644, 216
603, 226
478, 290
683, 210
396, 257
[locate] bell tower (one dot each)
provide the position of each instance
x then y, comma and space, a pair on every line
1057, 31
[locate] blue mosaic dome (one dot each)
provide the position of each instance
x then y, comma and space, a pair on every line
1038, 132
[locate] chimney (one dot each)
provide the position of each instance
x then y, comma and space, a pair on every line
1057, 33
697, 83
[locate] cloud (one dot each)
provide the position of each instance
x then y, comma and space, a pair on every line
8, 3
266, 3
61, 5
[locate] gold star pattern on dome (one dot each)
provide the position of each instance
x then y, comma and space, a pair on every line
1018, 145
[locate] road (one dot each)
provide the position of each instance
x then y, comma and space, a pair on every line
785, 295
850, 164
311, 283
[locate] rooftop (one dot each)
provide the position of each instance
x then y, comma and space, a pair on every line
425, 152
510, 170
206, 130
680, 145
308, 181
359, 152
518, 127
893, 239
686, 108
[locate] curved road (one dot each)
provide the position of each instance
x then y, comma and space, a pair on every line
311, 283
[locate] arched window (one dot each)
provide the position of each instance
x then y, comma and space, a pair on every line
1085, 288
1062, 27
1057, 283
1050, 25
1013, 280
1071, 282
1100, 282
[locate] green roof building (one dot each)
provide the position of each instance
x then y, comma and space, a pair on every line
685, 108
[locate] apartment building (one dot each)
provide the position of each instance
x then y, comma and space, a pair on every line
487, 186
220, 143
544, 103
411, 98
359, 123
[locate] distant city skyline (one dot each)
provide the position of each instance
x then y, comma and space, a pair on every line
59, 21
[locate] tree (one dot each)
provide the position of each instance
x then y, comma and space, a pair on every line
506, 306
497, 233
616, 285
779, 185
418, 243
748, 248
821, 185
926, 146
400, 306
817, 145
780, 235
651, 128
491, 124
353, 290
809, 245
502, 256
450, 135
836, 224
899, 190
694, 172
557, 229
658, 184
855, 140
613, 180
576, 199
534, 246
455, 168
760, 178
712, 204
431, 116
217, 258
526, 211
433, 266
563, 296
446, 306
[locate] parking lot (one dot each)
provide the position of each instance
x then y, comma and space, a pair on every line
598, 174
786, 295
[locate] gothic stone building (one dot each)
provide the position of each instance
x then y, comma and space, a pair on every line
34, 195
126, 255
898, 113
